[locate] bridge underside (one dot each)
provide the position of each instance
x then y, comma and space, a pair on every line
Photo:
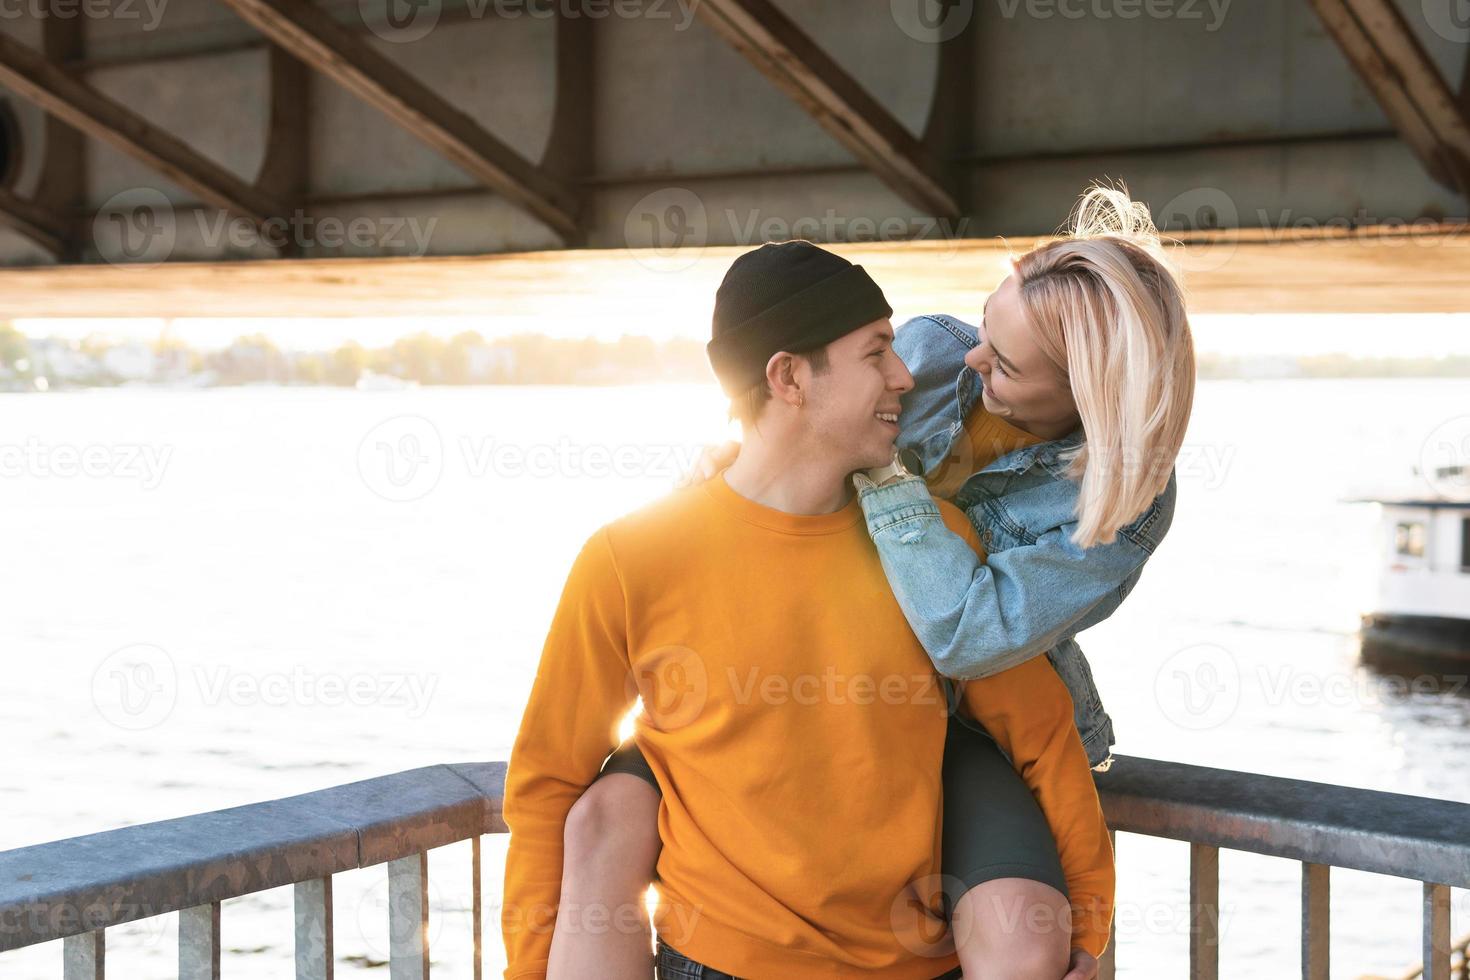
167, 157
1369, 271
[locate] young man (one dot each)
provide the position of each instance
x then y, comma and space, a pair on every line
792, 723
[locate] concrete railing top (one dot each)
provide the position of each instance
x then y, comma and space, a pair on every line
81, 884
1324, 823
76, 885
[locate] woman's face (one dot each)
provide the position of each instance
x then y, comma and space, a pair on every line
1022, 385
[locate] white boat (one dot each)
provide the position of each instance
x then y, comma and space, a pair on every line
373, 381
1423, 607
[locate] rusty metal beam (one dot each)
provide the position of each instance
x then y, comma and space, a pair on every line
1382, 48
311, 35
31, 75
799, 67
44, 227
62, 187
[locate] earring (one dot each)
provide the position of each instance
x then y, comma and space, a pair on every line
800, 400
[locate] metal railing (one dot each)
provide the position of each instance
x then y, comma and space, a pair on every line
75, 889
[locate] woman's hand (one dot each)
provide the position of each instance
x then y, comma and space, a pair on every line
1082, 966
711, 460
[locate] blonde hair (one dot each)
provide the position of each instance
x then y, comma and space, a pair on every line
1108, 310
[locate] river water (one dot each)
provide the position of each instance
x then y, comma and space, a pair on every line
218, 597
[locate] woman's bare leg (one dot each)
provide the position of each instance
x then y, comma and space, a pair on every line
612, 847
1012, 929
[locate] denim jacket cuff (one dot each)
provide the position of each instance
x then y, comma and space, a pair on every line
907, 500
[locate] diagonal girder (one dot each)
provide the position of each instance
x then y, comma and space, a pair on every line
798, 66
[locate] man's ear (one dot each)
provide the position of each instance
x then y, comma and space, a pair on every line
781, 375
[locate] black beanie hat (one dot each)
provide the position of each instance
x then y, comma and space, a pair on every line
791, 296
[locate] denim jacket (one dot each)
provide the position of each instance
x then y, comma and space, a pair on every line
1037, 589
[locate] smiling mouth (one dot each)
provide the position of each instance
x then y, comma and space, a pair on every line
889, 417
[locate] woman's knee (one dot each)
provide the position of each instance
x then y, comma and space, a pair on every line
615, 821
1014, 927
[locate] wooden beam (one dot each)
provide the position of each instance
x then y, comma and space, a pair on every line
799, 67
32, 76
1382, 48
62, 187
41, 225
283, 167
312, 35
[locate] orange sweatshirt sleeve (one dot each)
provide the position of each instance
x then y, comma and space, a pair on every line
1029, 713
582, 690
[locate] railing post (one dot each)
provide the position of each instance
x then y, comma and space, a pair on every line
1204, 911
1107, 966
1436, 931
83, 956
314, 929
199, 942
477, 911
408, 917
1316, 921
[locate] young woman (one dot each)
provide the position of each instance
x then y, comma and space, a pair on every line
1055, 426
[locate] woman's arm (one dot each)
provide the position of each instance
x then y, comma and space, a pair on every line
977, 616
1029, 714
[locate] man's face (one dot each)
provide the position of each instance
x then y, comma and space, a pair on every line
863, 382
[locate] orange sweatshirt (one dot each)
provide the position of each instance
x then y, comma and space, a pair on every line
796, 729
